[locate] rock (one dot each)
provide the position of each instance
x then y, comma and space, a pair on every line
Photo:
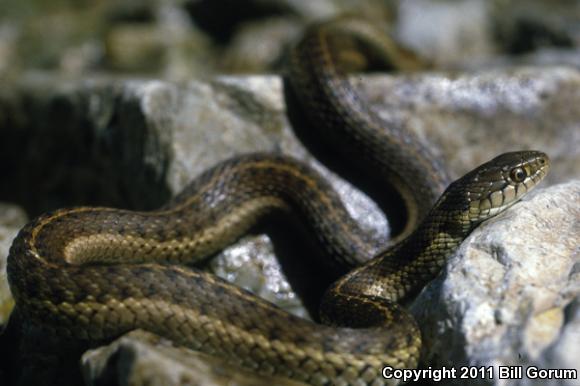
551, 57
472, 117
244, 56
510, 295
146, 46
12, 218
156, 39
565, 346
465, 38
141, 358
252, 264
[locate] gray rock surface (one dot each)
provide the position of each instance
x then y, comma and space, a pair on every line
510, 295
12, 218
471, 117
140, 358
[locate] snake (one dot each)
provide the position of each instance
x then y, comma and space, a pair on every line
95, 273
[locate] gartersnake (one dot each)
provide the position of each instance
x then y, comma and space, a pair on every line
96, 273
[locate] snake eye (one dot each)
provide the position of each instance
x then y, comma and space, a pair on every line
518, 174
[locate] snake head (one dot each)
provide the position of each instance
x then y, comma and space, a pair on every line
494, 186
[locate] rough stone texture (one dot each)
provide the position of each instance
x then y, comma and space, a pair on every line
12, 219
471, 117
245, 56
551, 56
251, 264
140, 358
510, 294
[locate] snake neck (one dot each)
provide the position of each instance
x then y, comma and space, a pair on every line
399, 273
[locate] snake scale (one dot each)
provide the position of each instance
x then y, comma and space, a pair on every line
95, 273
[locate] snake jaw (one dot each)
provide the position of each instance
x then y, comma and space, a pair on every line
498, 184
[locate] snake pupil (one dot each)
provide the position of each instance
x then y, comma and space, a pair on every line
518, 174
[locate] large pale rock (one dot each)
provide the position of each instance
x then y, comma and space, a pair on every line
510, 294
472, 117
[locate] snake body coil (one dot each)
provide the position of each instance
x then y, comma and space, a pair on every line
96, 273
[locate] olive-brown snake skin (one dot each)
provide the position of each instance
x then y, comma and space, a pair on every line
96, 273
